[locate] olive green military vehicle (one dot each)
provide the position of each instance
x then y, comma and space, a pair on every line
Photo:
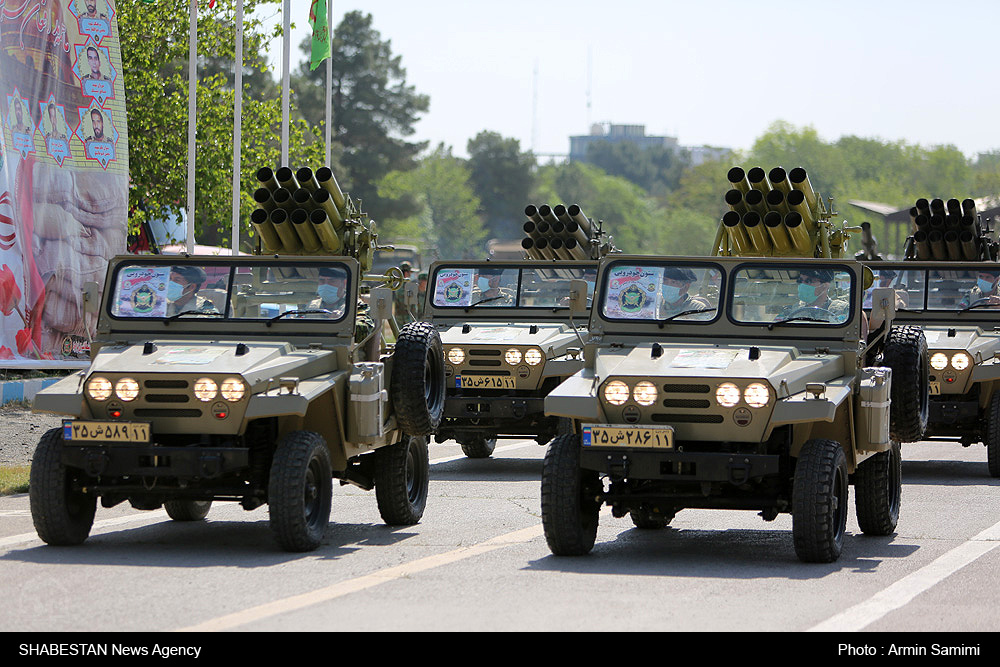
508, 334
254, 379
750, 380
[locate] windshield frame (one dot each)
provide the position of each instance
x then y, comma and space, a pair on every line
796, 323
950, 315
656, 261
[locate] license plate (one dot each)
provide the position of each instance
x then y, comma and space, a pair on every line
483, 382
87, 431
660, 437
935, 388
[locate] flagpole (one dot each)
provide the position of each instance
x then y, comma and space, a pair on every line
192, 113
286, 54
237, 127
329, 84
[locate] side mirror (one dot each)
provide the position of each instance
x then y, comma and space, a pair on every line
380, 303
883, 307
91, 297
578, 296
410, 294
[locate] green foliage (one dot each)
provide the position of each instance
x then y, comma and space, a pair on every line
503, 178
372, 108
154, 60
654, 169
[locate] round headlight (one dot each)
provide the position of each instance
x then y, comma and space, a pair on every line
513, 356
756, 395
727, 394
616, 392
205, 389
533, 357
960, 361
939, 361
99, 388
644, 393
232, 389
127, 389
456, 355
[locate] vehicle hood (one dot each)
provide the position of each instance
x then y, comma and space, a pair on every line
542, 335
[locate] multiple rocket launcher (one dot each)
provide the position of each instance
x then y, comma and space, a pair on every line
948, 230
561, 233
776, 214
306, 213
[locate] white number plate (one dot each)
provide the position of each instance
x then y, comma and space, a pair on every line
484, 382
660, 437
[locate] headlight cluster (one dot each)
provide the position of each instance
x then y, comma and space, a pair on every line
959, 361
756, 395
513, 356
127, 389
617, 392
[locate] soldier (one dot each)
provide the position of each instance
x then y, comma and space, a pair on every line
488, 288
91, 13
984, 291
53, 132
331, 291
97, 120
94, 60
182, 291
19, 126
884, 279
674, 295
421, 292
814, 292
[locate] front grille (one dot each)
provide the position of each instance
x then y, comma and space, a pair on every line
166, 384
153, 413
686, 388
484, 362
484, 353
687, 419
686, 403
166, 398
479, 372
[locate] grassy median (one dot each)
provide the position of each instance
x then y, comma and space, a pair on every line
14, 480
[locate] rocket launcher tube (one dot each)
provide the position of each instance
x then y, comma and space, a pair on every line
265, 176
573, 231
283, 199
777, 232
952, 246
755, 202
738, 237
574, 211
755, 230
286, 179
970, 250
923, 207
969, 207
738, 179
262, 197
798, 233
303, 199
936, 240
779, 180
304, 230
542, 246
289, 239
758, 180
796, 200
307, 180
922, 245
560, 212
734, 199
776, 201
325, 230
269, 238
547, 216
532, 213
328, 182
577, 250
323, 200
800, 181
528, 245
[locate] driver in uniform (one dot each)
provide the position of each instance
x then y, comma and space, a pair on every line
488, 288
814, 292
182, 291
674, 297
984, 291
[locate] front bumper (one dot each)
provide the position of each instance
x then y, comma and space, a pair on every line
117, 460
644, 464
493, 408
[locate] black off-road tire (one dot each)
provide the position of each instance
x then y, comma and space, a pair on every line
646, 518
819, 501
402, 474
187, 510
418, 382
62, 516
906, 354
992, 436
878, 489
570, 510
300, 491
478, 446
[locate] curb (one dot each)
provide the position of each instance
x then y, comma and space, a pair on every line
23, 390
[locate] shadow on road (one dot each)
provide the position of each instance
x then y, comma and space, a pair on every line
489, 470
948, 473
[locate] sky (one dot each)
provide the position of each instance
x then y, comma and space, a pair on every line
715, 72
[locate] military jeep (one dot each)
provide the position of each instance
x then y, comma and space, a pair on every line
735, 383
509, 337
260, 388
956, 305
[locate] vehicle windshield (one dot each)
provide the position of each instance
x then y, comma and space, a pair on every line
660, 292
790, 295
217, 290
944, 289
508, 286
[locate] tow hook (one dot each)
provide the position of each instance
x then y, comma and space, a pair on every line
210, 464
97, 462
739, 473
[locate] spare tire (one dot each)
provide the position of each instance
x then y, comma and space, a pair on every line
906, 354
417, 382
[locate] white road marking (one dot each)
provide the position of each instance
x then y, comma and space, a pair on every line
912, 585
24, 538
270, 609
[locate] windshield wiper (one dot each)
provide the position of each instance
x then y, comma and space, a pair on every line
304, 311
492, 298
194, 311
689, 312
796, 318
986, 304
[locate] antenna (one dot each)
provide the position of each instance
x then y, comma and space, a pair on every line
534, 108
589, 87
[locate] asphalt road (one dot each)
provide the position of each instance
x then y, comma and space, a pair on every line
478, 562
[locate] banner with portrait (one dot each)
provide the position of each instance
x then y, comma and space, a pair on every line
63, 173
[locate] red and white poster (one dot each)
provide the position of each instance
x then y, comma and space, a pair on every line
63, 173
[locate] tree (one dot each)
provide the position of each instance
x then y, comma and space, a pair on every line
654, 169
154, 60
502, 177
373, 108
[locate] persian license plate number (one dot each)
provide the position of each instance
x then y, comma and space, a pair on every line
483, 382
628, 436
90, 431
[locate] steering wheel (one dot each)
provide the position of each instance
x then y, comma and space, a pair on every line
816, 310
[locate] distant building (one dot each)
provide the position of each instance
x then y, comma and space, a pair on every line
636, 134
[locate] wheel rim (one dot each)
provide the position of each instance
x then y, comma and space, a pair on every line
840, 501
312, 496
895, 480
414, 476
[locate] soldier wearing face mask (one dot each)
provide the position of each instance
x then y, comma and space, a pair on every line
182, 291
674, 297
814, 292
331, 291
984, 291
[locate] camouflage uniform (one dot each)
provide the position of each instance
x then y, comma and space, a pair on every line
200, 304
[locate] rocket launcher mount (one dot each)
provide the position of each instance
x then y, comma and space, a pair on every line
949, 230
778, 214
306, 213
563, 233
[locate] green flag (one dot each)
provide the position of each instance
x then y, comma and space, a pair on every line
320, 34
